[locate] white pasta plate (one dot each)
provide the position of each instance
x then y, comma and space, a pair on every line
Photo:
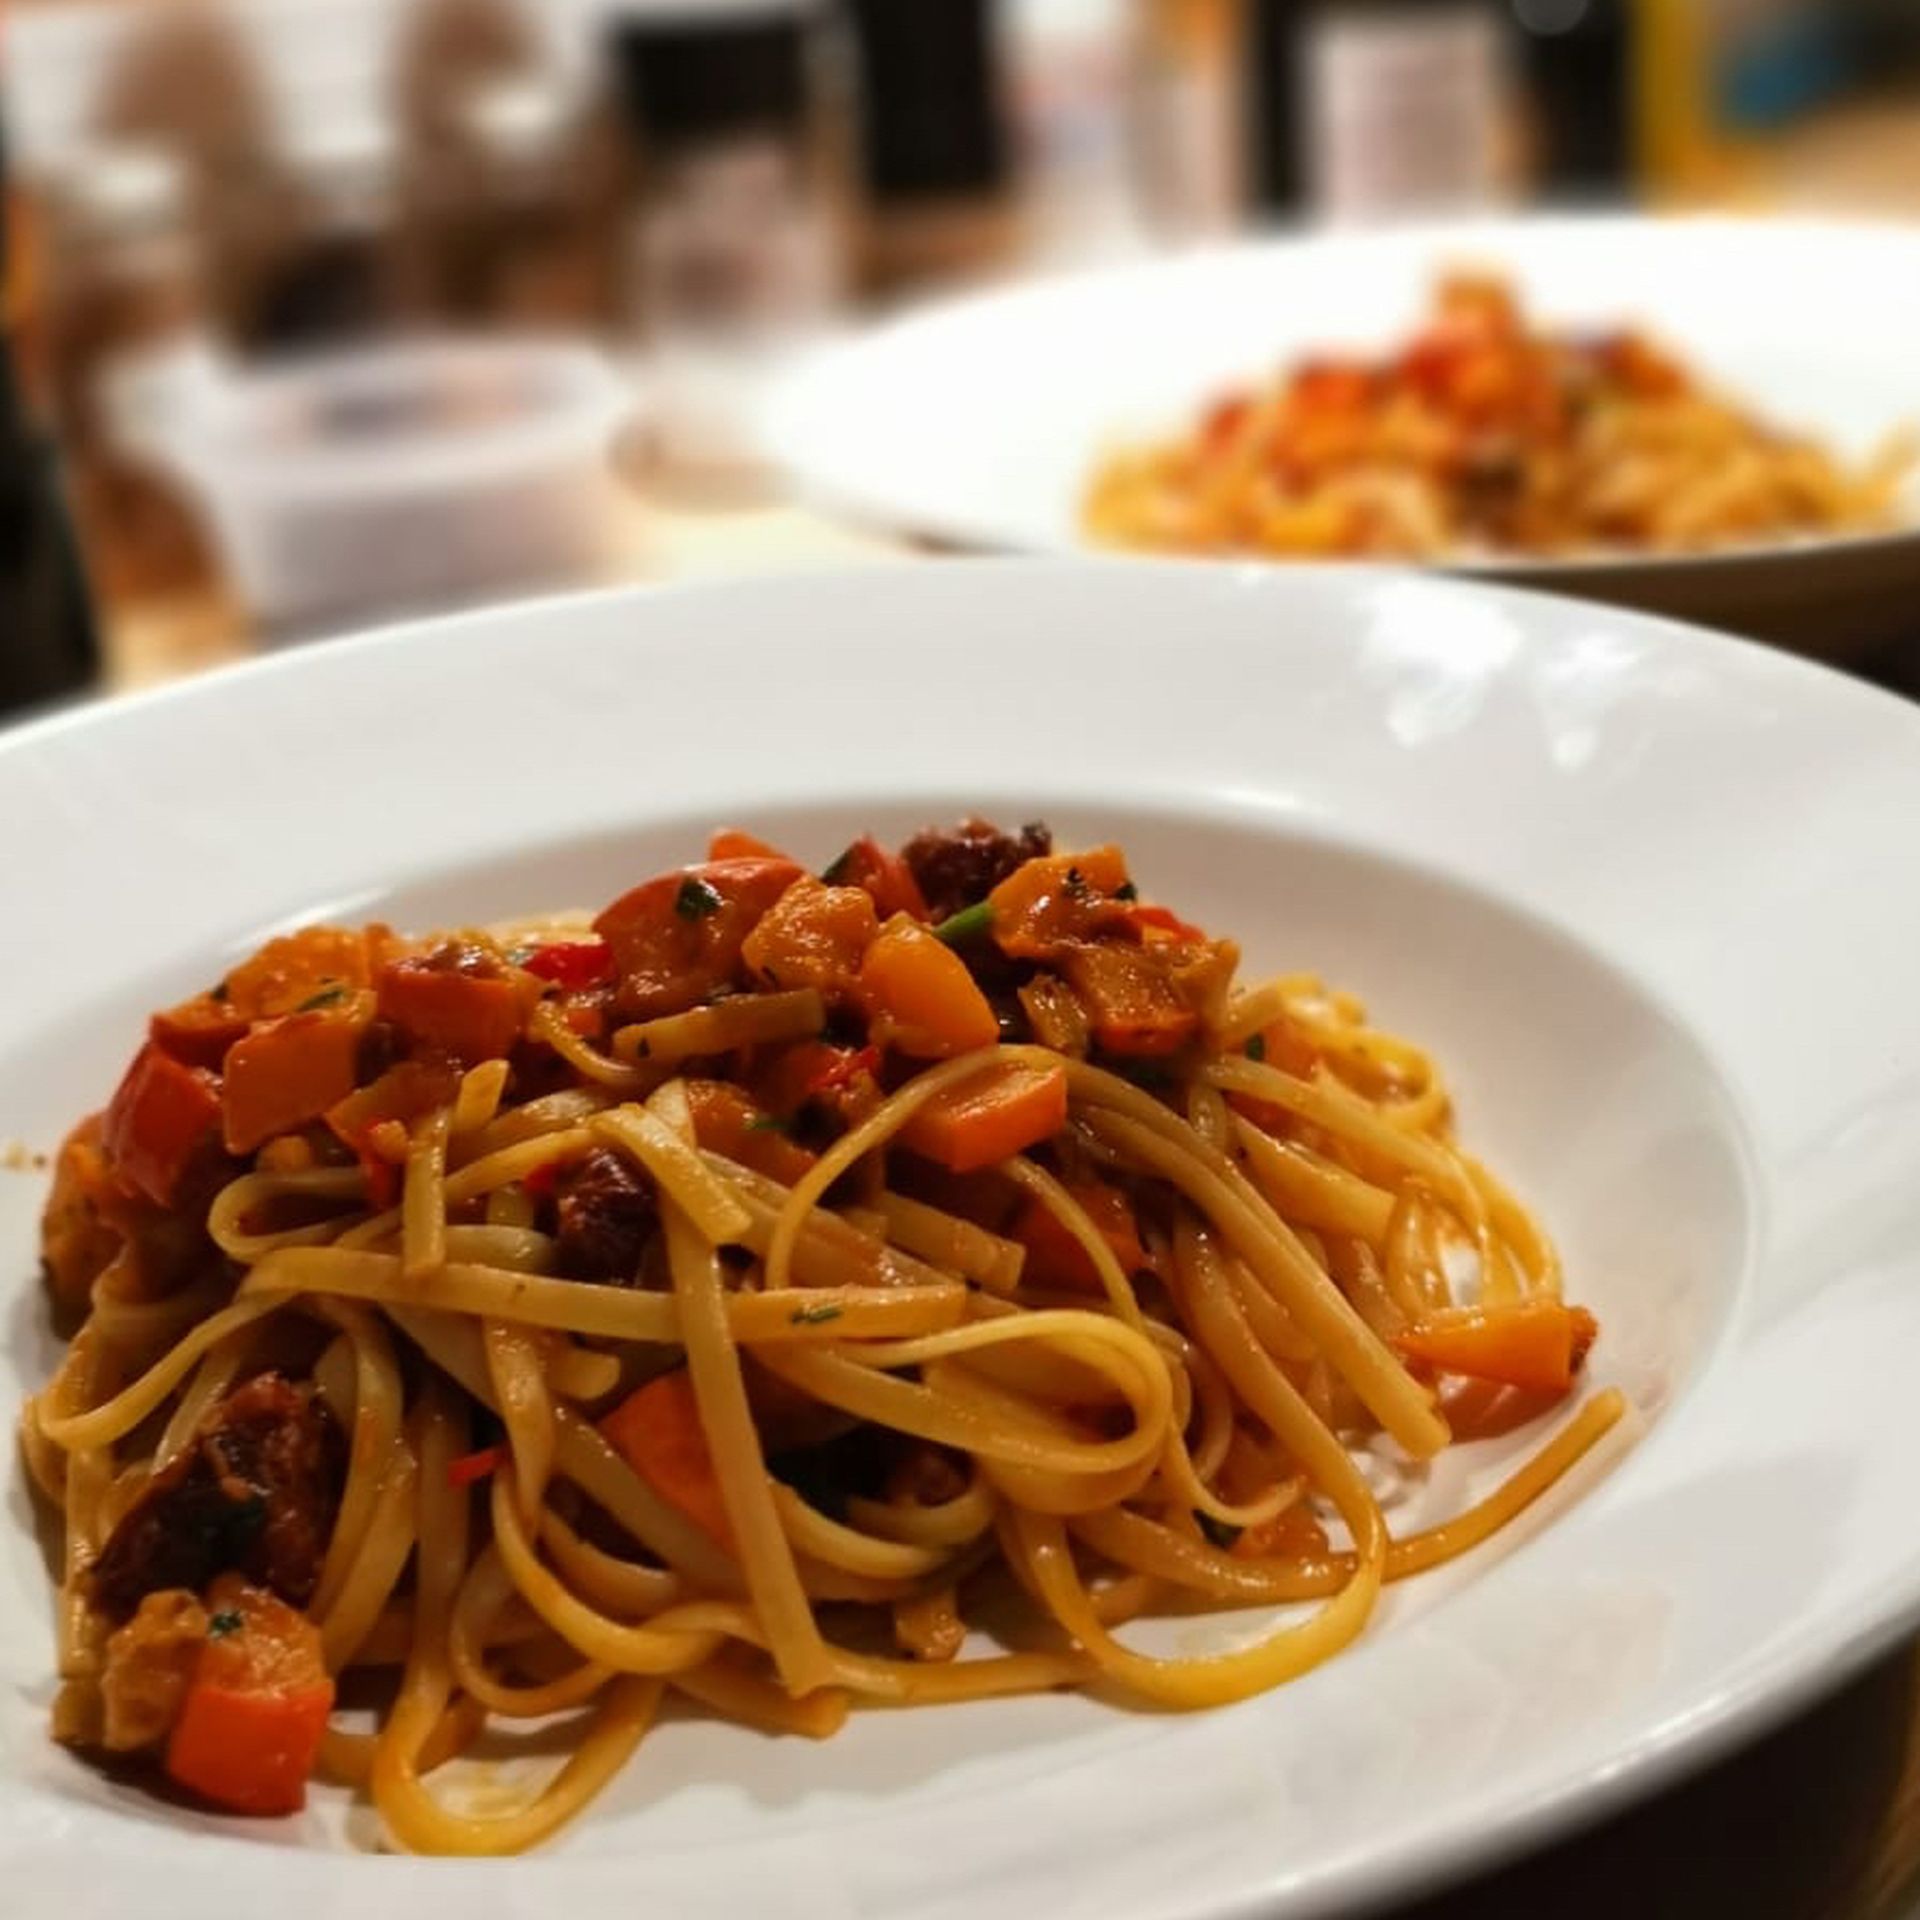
977, 421
1644, 891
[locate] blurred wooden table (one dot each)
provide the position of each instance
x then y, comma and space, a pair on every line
682, 533
1818, 1821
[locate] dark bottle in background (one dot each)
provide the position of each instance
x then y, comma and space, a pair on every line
732, 229
1375, 109
48, 646
932, 119
1276, 161
737, 219
338, 283
1574, 62
934, 162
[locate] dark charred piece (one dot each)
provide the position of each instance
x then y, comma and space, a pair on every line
605, 1212
959, 866
254, 1492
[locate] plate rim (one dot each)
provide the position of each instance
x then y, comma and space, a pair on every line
789, 440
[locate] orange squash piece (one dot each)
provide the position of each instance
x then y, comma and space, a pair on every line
923, 1000
1001, 1111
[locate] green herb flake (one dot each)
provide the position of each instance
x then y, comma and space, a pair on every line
1147, 1075
519, 956
1126, 890
813, 1316
328, 996
1218, 1532
219, 991
1256, 1048
696, 899
966, 924
840, 869
770, 1123
223, 1623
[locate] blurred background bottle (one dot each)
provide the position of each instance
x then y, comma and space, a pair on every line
1187, 101
1068, 74
48, 648
1577, 76
736, 231
935, 147
1375, 109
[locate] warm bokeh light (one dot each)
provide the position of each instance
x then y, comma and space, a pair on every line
662, 198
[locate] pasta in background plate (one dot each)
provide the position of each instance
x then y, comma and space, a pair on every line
1486, 436
770, 1291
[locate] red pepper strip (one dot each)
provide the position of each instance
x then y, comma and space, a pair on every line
383, 1179
584, 1017
840, 1071
1164, 920
470, 1467
542, 1180
572, 963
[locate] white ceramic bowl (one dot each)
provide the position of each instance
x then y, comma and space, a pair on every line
1648, 895
977, 422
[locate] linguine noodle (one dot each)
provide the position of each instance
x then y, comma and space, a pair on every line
753, 1322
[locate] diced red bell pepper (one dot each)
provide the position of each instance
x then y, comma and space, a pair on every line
883, 874
199, 1031
466, 1016
160, 1116
846, 1063
571, 963
289, 1071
